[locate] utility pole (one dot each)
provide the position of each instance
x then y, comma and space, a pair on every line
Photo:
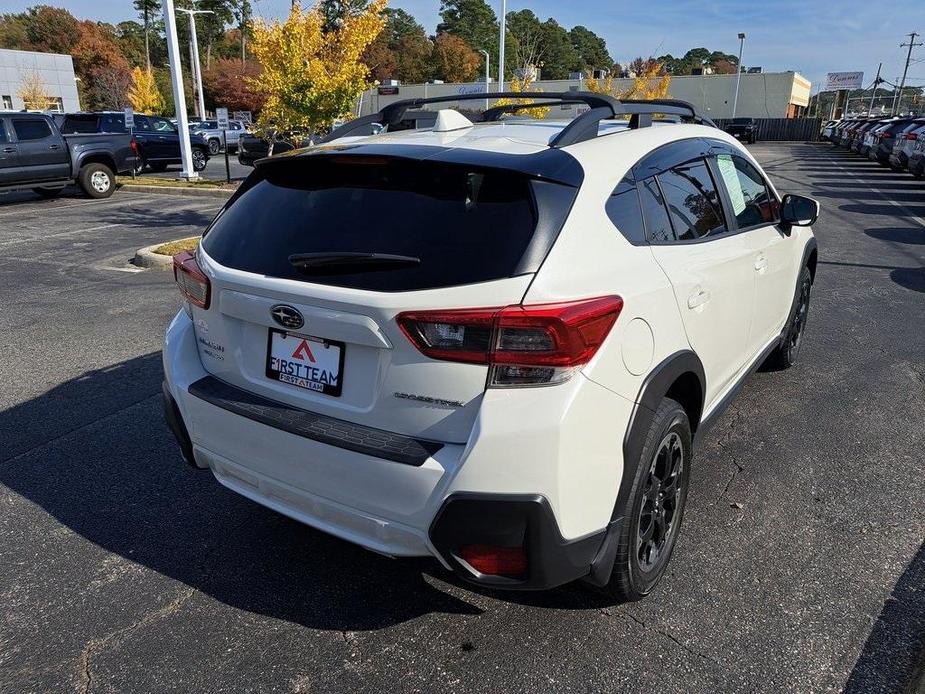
176, 82
501, 47
873, 94
912, 44
735, 101
194, 62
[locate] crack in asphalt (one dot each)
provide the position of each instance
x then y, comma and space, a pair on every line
672, 638
97, 645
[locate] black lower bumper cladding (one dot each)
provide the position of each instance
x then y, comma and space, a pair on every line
512, 521
175, 422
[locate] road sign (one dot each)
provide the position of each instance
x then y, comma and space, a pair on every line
834, 81
221, 115
129, 118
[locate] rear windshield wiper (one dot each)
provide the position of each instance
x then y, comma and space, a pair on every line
346, 263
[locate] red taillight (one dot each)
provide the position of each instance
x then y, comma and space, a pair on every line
523, 345
496, 561
912, 136
193, 284
886, 136
134, 146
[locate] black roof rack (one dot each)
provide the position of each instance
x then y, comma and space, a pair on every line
582, 128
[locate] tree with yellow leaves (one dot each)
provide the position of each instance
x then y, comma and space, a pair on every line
523, 84
33, 91
312, 76
650, 82
143, 95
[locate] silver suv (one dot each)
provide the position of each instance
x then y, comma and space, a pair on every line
209, 130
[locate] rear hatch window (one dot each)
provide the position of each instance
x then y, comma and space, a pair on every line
457, 224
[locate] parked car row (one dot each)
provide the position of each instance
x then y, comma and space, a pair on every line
155, 140
209, 130
897, 142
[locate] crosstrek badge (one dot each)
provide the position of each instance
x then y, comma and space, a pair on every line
305, 362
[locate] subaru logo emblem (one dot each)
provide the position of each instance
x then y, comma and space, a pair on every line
287, 316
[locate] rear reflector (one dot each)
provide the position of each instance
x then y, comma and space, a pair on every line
193, 284
496, 561
523, 345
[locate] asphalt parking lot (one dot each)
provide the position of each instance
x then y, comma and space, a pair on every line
801, 564
214, 171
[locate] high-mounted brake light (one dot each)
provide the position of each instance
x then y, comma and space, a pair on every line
523, 345
193, 284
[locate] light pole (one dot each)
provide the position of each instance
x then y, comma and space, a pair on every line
176, 82
197, 73
735, 100
501, 47
487, 75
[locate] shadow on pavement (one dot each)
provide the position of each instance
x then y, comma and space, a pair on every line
142, 217
118, 480
896, 645
898, 234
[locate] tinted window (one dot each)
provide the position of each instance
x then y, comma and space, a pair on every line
752, 201
692, 200
465, 225
161, 125
142, 123
626, 214
656, 215
79, 124
113, 123
31, 129
3, 137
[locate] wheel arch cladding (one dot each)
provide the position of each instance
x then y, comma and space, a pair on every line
811, 257
103, 159
680, 377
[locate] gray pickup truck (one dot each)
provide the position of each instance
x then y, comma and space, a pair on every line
35, 155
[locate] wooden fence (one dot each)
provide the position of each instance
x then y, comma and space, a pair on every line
783, 129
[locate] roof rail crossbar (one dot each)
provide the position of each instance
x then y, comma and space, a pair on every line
584, 127
496, 112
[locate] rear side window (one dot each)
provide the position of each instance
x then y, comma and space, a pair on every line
465, 224
655, 213
78, 124
752, 200
31, 129
113, 123
693, 203
3, 136
625, 212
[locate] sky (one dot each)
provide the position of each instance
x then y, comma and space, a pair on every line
812, 37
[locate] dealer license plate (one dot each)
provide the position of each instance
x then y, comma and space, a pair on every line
306, 362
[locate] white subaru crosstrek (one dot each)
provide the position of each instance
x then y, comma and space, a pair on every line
492, 343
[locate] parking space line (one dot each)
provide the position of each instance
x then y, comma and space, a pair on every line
884, 195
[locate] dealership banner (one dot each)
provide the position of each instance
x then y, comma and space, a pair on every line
843, 80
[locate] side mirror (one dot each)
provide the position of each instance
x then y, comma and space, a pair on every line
799, 211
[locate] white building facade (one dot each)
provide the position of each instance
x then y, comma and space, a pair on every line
56, 71
761, 95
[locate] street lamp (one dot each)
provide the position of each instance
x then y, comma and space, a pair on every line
487, 75
735, 101
176, 83
197, 73
501, 47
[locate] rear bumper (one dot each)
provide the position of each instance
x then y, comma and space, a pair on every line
527, 471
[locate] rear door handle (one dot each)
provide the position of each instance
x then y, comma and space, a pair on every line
761, 263
54, 146
698, 299
9, 150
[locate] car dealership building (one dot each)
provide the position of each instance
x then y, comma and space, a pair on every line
55, 70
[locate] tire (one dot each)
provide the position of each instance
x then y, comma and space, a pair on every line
786, 354
642, 557
158, 166
96, 180
214, 147
47, 192
200, 159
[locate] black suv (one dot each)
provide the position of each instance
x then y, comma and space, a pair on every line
156, 141
744, 129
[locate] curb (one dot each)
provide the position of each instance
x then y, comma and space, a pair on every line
146, 257
168, 190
